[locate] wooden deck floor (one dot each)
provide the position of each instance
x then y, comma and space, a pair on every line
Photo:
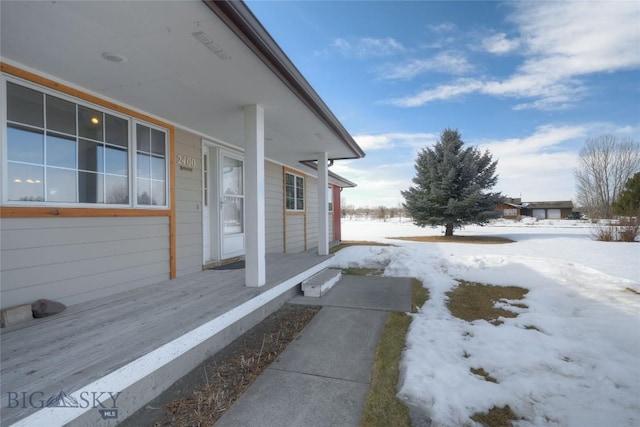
89, 340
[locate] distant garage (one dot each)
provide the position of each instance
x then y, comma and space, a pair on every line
547, 210
553, 214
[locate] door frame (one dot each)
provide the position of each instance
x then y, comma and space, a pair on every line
212, 224
239, 238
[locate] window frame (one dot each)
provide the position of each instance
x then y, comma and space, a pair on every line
131, 149
295, 192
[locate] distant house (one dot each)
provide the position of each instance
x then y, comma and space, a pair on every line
547, 210
514, 208
510, 209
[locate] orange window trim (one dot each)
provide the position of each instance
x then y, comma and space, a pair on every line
50, 212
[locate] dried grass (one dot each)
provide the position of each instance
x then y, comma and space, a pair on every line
473, 301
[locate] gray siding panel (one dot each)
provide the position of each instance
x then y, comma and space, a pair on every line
188, 205
295, 233
274, 208
312, 212
76, 259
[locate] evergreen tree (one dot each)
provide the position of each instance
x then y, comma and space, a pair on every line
628, 203
449, 185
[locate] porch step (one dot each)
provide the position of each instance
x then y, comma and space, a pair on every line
319, 284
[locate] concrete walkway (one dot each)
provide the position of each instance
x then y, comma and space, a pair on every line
322, 378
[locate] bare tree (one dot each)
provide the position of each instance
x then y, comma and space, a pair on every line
606, 163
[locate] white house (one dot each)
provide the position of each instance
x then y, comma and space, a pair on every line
143, 141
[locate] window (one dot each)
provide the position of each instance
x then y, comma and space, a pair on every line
60, 151
330, 198
294, 192
510, 212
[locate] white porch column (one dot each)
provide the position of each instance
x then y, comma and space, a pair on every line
255, 271
323, 204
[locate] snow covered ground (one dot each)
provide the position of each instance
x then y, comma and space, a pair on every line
582, 368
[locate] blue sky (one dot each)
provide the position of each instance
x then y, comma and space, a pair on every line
530, 81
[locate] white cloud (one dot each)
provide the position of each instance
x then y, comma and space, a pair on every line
445, 27
394, 140
373, 142
443, 92
499, 44
444, 62
539, 166
367, 47
563, 42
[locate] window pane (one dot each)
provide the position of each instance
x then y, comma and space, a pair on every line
26, 182
158, 168
117, 190
25, 105
158, 193
144, 191
25, 145
90, 187
300, 198
157, 142
117, 130
289, 179
90, 156
143, 165
143, 135
61, 151
116, 160
233, 213
290, 203
61, 115
61, 185
299, 182
90, 123
232, 176
290, 192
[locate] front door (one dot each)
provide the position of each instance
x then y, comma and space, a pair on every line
231, 202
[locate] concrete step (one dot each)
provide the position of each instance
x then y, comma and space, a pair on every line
319, 284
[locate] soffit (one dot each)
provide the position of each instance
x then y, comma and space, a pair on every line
167, 72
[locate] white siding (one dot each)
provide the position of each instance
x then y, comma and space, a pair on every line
77, 259
274, 206
188, 206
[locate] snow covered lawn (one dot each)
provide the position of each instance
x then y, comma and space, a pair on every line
581, 367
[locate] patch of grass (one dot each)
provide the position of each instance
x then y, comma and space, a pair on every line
382, 407
484, 374
473, 301
533, 328
633, 291
347, 243
496, 417
483, 240
519, 305
419, 295
363, 271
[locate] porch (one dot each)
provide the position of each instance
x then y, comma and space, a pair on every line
116, 353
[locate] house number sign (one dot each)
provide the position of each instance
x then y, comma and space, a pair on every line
185, 162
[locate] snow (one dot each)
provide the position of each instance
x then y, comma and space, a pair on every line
580, 368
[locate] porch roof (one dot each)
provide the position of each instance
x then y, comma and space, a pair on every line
191, 63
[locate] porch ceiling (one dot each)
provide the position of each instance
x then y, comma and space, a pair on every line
167, 73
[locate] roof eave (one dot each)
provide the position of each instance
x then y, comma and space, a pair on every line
246, 26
